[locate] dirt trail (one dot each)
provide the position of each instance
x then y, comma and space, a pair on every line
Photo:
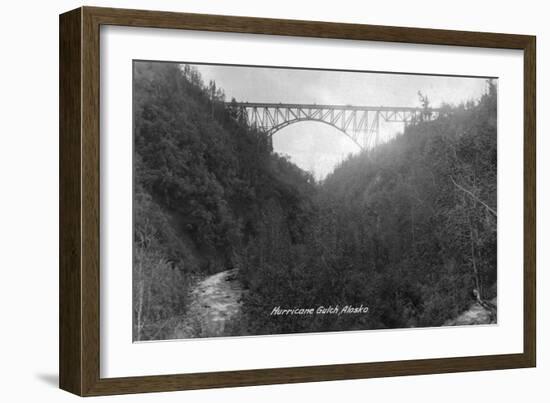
214, 302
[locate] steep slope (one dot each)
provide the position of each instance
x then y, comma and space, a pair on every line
202, 181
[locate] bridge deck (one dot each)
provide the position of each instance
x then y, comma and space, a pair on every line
329, 107
361, 123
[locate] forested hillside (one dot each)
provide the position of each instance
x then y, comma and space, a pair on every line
408, 228
202, 182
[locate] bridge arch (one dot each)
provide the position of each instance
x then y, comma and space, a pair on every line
271, 132
359, 123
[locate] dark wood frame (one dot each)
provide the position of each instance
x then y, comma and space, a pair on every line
79, 201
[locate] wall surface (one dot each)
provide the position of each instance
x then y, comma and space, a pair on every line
29, 201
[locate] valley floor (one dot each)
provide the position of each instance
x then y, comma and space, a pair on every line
215, 303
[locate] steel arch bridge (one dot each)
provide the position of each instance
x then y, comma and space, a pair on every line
360, 123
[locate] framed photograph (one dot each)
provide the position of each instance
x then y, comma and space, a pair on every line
249, 201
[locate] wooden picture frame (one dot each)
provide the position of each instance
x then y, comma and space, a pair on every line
79, 348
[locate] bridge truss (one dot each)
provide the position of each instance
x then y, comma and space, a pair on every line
360, 123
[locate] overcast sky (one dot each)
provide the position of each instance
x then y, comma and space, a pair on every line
318, 147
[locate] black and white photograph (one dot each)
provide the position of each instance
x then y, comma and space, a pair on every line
270, 200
